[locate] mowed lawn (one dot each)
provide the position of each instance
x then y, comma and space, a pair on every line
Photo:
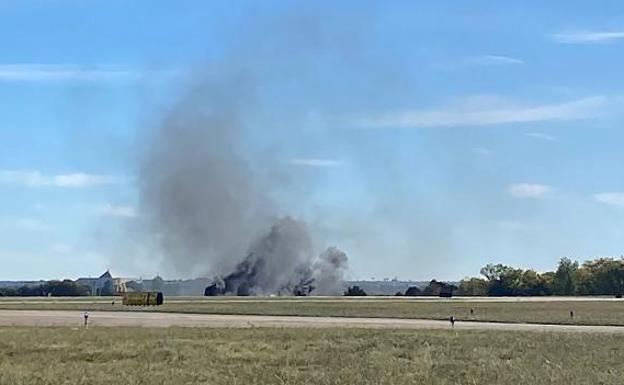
31, 356
589, 312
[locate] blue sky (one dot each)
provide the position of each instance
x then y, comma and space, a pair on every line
424, 138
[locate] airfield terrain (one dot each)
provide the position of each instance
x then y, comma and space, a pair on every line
151, 319
333, 340
604, 311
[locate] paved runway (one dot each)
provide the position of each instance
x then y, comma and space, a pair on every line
151, 319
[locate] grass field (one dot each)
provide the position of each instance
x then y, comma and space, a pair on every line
588, 312
31, 356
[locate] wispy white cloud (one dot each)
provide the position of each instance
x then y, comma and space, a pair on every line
118, 211
478, 61
492, 60
588, 37
29, 178
70, 73
540, 136
486, 111
610, 198
315, 162
529, 190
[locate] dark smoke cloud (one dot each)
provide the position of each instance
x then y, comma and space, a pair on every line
209, 200
281, 262
207, 206
199, 196
214, 179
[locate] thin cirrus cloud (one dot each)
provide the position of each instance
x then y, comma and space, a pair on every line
492, 60
529, 190
484, 112
610, 198
118, 211
36, 179
588, 37
540, 136
70, 73
315, 162
478, 61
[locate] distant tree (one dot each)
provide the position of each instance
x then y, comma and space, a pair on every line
31, 291
605, 276
7, 292
433, 288
502, 279
355, 291
397, 294
65, 288
565, 282
584, 281
546, 283
602, 276
413, 291
473, 287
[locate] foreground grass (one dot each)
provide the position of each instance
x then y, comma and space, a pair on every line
30, 356
556, 312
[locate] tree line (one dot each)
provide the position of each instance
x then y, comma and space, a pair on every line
64, 288
434, 288
602, 276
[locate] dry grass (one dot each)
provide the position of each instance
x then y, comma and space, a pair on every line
31, 356
556, 312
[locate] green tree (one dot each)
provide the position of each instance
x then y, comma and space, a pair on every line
355, 291
413, 291
473, 287
604, 276
584, 282
65, 288
502, 279
565, 282
546, 283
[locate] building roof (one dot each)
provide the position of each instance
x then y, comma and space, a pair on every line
106, 274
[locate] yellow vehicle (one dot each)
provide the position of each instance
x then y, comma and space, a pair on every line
143, 298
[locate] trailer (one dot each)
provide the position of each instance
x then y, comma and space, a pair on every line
143, 298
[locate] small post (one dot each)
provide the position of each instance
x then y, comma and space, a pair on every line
86, 319
452, 320
571, 314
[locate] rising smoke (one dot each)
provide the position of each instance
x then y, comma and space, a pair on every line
215, 181
281, 262
211, 208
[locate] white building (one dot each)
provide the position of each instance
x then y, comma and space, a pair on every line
104, 281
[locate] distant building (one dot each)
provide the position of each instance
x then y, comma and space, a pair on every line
103, 283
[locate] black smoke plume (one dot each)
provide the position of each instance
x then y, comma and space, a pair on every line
281, 263
209, 201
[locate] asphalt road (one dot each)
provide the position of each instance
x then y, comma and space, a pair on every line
145, 319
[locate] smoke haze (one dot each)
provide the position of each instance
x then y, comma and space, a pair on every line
210, 204
215, 177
